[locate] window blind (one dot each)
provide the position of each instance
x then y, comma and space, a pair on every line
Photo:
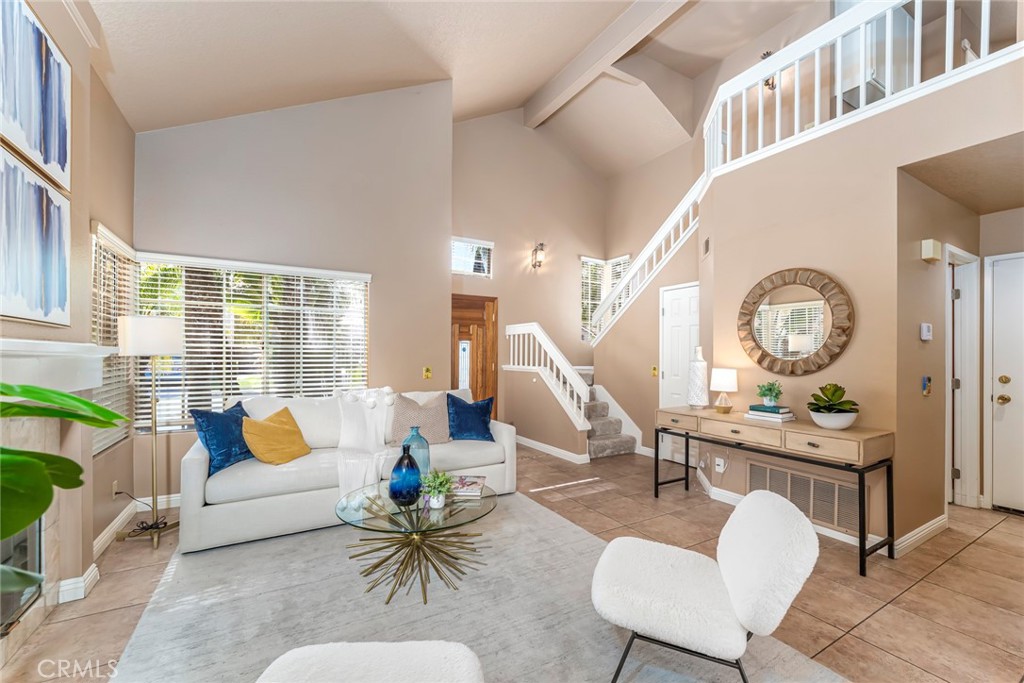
597, 278
251, 332
775, 324
113, 295
472, 257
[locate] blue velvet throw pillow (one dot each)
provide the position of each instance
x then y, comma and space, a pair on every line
469, 421
221, 436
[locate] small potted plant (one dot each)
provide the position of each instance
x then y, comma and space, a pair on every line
770, 392
830, 409
437, 485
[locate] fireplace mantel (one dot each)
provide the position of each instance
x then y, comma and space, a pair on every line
66, 366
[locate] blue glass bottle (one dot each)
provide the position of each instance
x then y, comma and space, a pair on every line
419, 448
404, 487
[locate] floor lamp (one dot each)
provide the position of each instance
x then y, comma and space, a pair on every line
150, 336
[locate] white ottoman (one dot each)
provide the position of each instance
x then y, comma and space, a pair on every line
424, 661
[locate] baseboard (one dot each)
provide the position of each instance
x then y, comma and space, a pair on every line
77, 588
164, 502
644, 450
905, 544
554, 450
106, 537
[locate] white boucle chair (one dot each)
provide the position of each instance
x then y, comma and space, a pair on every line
425, 661
687, 602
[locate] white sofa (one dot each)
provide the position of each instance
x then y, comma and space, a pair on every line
347, 434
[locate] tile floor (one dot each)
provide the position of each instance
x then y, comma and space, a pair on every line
952, 609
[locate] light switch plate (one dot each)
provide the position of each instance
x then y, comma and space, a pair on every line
427, 372
926, 331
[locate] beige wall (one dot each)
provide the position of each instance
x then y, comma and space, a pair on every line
843, 220
111, 202
539, 416
1002, 232
923, 213
355, 184
517, 186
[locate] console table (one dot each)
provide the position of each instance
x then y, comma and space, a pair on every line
856, 450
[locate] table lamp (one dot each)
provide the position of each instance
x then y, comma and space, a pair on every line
724, 381
152, 336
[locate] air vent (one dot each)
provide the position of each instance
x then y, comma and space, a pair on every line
827, 502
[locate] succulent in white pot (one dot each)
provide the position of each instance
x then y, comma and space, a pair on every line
831, 409
770, 392
437, 485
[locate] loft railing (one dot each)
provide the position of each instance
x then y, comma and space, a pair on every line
872, 53
531, 350
875, 51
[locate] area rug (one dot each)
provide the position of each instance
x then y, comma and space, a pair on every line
225, 614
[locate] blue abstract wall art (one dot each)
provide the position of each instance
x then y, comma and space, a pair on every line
35, 92
35, 246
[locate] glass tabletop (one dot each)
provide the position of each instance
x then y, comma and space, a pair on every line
370, 508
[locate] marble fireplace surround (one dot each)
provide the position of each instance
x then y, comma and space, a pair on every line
68, 564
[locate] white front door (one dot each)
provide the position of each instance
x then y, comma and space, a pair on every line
1007, 382
680, 317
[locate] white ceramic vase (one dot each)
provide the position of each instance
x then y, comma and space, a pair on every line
437, 502
769, 402
834, 420
697, 391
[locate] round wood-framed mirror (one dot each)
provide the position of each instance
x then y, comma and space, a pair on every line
795, 322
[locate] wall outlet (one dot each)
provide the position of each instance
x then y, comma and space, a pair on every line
719, 465
113, 490
427, 372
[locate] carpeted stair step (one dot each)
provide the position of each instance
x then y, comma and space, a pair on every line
604, 426
603, 446
593, 394
588, 376
595, 409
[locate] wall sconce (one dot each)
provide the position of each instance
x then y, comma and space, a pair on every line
537, 260
768, 82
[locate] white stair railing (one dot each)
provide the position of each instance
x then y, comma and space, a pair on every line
531, 350
672, 234
854, 63
865, 56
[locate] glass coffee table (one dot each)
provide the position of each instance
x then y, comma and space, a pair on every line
411, 543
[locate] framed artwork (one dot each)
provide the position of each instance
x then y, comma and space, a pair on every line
35, 92
35, 245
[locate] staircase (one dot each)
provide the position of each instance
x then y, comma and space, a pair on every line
605, 435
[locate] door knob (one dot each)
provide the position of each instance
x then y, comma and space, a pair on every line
1004, 379
1003, 399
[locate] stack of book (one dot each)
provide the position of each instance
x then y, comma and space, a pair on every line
468, 487
775, 414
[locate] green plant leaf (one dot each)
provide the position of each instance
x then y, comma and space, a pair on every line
63, 472
14, 580
25, 492
60, 399
10, 409
819, 399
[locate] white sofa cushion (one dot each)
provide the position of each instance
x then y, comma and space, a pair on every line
453, 456
319, 419
252, 479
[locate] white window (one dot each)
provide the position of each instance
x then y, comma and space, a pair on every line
251, 329
472, 257
801, 324
113, 295
597, 279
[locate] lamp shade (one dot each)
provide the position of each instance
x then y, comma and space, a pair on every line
148, 335
723, 379
801, 343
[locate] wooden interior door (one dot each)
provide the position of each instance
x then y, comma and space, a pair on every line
475, 346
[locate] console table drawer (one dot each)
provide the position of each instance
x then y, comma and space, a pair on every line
764, 436
676, 421
843, 450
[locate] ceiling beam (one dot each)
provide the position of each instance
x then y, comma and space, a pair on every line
632, 26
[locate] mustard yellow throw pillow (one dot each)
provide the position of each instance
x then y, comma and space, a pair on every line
276, 440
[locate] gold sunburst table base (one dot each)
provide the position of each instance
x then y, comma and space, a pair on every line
400, 559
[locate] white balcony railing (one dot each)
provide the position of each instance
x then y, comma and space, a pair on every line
877, 50
531, 350
874, 52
